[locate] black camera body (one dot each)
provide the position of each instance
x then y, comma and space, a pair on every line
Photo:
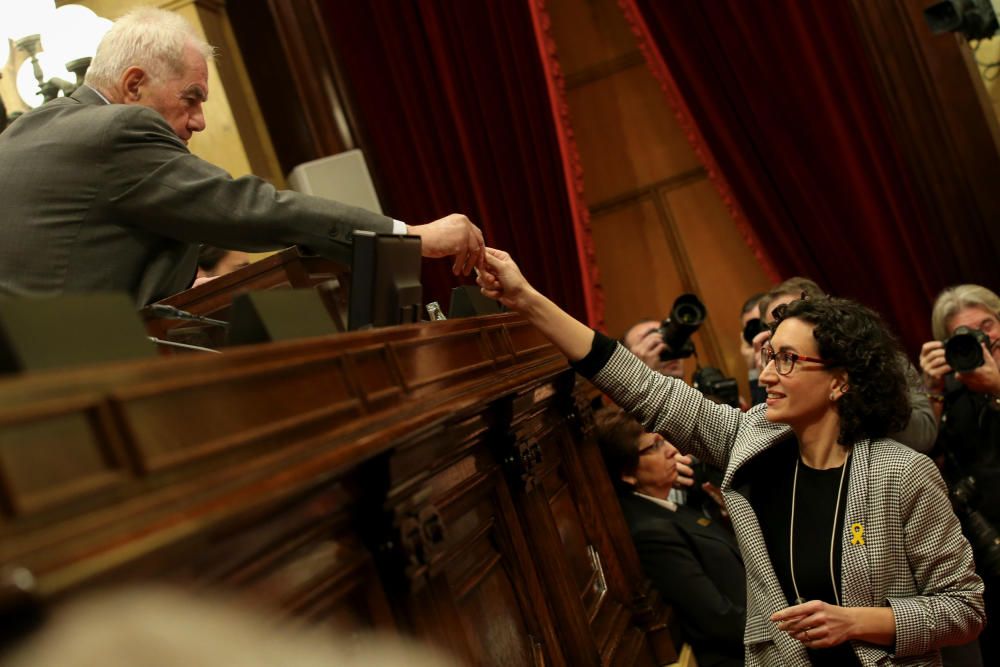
963, 350
716, 386
686, 315
975, 19
751, 329
981, 532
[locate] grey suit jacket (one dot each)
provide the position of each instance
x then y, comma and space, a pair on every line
105, 197
911, 555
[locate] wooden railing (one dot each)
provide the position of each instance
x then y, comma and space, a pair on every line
439, 479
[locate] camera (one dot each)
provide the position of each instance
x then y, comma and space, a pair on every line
716, 386
963, 350
976, 19
981, 533
686, 315
751, 329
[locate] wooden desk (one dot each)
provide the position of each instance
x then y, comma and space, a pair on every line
437, 478
288, 268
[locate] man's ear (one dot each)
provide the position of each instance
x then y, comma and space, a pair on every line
629, 479
132, 83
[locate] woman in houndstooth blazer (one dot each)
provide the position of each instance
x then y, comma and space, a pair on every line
852, 551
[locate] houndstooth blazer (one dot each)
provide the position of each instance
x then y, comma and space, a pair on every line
911, 555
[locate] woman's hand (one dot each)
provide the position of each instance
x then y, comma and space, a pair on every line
818, 624
934, 366
685, 473
502, 280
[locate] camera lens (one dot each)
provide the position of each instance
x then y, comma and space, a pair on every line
751, 329
962, 351
686, 315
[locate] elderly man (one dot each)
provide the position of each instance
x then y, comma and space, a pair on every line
100, 192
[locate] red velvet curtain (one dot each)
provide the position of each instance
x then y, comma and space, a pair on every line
778, 95
459, 115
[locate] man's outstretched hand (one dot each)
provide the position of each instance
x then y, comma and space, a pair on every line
452, 235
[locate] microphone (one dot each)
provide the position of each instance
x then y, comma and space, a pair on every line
164, 311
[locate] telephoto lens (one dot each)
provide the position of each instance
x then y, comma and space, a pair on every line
751, 329
686, 315
963, 350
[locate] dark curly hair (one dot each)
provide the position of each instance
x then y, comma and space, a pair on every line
854, 338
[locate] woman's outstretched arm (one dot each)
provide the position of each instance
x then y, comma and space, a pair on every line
502, 280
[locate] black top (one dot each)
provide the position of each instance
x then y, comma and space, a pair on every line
816, 494
601, 349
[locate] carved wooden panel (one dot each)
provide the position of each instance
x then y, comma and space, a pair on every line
57, 452
197, 416
484, 583
419, 478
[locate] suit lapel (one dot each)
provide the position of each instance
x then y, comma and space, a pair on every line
757, 439
855, 575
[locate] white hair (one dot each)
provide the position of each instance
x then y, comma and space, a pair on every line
954, 299
153, 39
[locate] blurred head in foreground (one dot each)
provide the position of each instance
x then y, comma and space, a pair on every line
167, 628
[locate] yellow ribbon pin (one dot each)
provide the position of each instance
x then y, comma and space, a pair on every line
859, 534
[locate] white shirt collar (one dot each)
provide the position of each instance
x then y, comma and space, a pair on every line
659, 501
106, 101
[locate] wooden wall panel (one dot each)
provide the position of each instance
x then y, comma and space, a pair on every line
626, 134
637, 272
658, 224
725, 270
590, 34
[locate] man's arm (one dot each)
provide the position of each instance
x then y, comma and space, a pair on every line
159, 186
921, 429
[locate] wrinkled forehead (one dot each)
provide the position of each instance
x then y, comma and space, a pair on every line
974, 317
194, 68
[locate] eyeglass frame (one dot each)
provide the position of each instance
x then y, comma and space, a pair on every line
657, 446
767, 355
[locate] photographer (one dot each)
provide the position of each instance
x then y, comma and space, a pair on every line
961, 370
663, 347
643, 339
751, 325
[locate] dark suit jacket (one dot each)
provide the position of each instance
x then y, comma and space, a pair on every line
97, 196
698, 570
